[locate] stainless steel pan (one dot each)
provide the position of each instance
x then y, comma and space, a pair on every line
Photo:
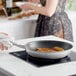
31, 49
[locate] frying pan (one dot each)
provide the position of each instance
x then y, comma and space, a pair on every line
33, 45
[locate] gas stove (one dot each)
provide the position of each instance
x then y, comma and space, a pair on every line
40, 62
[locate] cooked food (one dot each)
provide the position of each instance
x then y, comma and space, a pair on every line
58, 48
54, 49
23, 14
45, 50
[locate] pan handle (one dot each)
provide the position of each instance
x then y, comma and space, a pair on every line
18, 45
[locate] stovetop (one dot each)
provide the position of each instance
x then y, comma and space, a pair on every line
40, 62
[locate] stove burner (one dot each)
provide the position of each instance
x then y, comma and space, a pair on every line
73, 75
39, 62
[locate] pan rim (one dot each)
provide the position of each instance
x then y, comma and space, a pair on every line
50, 40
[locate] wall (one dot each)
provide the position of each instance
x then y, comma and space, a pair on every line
72, 16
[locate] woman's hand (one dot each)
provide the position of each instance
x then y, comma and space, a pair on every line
25, 7
47, 10
28, 6
5, 41
2, 47
34, 1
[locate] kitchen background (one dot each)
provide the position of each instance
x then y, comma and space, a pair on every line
25, 27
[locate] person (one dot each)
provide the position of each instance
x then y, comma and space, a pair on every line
52, 19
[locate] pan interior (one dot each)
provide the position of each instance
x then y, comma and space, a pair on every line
49, 44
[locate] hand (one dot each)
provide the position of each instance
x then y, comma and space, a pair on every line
35, 1
2, 47
25, 7
5, 41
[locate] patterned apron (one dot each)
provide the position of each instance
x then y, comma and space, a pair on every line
58, 25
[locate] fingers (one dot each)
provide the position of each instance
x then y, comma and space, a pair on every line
25, 7
4, 41
4, 33
2, 47
35, 1
22, 7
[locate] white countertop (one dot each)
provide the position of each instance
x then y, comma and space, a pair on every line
13, 66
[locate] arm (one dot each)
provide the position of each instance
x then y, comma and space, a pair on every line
48, 10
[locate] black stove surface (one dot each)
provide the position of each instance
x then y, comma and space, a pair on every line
40, 62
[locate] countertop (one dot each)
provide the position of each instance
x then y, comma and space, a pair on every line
19, 28
13, 66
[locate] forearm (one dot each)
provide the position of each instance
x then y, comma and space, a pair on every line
48, 10
42, 10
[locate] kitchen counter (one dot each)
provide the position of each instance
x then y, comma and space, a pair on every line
20, 28
13, 66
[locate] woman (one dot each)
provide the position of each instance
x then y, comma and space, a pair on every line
52, 19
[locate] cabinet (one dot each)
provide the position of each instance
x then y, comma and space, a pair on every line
21, 28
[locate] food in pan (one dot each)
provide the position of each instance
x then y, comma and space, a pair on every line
45, 50
54, 49
58, 48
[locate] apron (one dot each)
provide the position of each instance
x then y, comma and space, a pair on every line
58, 25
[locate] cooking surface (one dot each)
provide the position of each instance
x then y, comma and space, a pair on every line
73, 75
40, 62
10, 64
